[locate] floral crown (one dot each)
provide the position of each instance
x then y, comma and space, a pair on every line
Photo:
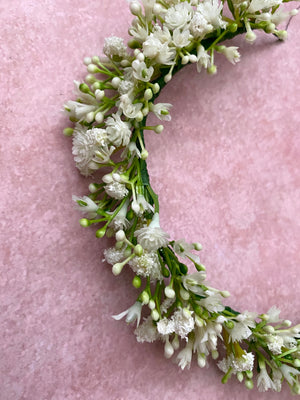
110, 116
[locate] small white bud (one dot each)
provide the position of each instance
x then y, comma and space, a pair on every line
136, 52
115, 82
168, 77
225, 293
151, 304
92, 69
215, 354
95, 59
99, 117
156, 88
120, 236
140, 57
87, 60
269, 329
99, 94
250, 36
287, 323
135, 8
144, 154
282, 35
193, 58
107, 178
184, 294
138, 250
170, 292
90, 117
158, 129
155, 315
93, 188
148, 94
175, 343
201, 361
240, 376
139, 116
168, 350
157, 9
125, 63
145, 298
117, 268
185, 60
197, 246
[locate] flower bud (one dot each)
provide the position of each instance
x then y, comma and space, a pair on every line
169, 351
120, 236
169, 292
151, 304
136, 282
117, 268
155, 315
84, 222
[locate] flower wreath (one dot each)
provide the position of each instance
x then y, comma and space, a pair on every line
110, 114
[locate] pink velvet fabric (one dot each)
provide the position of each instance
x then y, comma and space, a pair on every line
227, 172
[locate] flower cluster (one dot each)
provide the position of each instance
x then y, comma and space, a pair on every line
110, 116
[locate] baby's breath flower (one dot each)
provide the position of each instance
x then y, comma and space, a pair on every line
152, 237
146, 332
114, 46
118, 131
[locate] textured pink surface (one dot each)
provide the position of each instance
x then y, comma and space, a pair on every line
226, 168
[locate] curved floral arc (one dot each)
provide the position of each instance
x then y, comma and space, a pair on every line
184, 310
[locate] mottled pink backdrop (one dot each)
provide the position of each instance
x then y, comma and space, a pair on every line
226, 169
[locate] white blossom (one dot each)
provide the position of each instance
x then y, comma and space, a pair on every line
132, 314
257, 5
231, 53
184, 357
129, 109
152, 237
138, 31
118, 131
113, 255
273, 315
147, 265
199, 26
161, 111
86, 205
126, 86
184, 322
114, 46
120, 221
212, 303
146, 332
165, 326
181, 38
178, 16
184, 249
211, 11
290, 373
241, 329
275, 343
264, 382
79, 109
140, 205
153, 48
237, 364
141, 72
87, 146
203, 58
206, 337
116, 190
193, 282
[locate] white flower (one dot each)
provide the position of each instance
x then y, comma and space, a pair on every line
193, 282
126, 87
212, 303
178, 16
165, 326
86, 205
241, 329
138, 31
141, 72
118, 131
153, 48
113, 255
290, 373
206, 337
231, 53
120, 221
275, 343
264, 382
114, 46
273, 315
184, 357
147, 265
237, 364
152, 237
133, 313
140, 205
129, 109
146, 332
199, 26
211, 11
203, 58
85, 145
184, 322
116, 190
181, 38
161, 111
80, 109
257, 5
184, 249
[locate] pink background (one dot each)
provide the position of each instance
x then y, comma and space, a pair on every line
227, 171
